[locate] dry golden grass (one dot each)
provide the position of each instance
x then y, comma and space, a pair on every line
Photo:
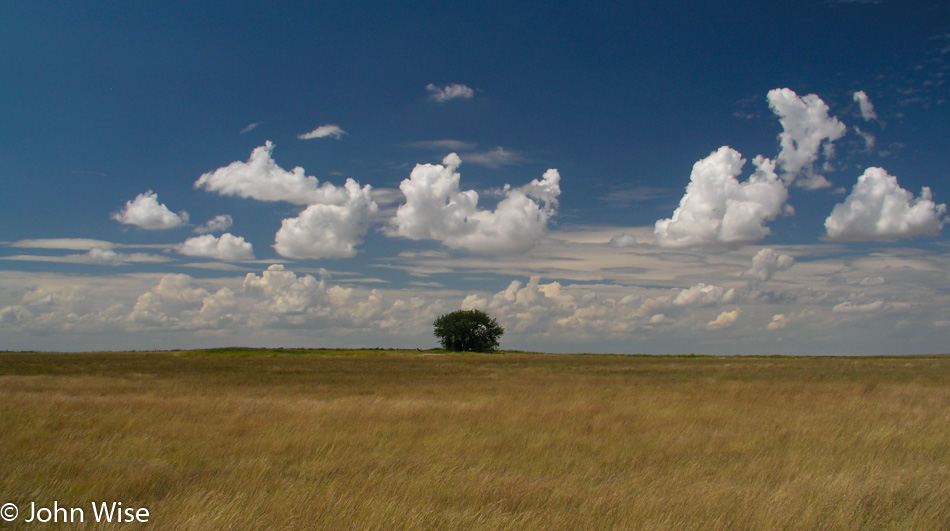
384, 440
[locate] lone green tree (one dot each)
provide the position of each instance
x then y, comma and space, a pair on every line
468, 330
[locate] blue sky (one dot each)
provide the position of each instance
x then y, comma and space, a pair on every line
755, 177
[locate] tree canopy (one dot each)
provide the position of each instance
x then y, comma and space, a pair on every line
468, 330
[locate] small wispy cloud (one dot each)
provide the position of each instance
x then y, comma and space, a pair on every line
250, 127
451, 91
323, 131
95, 256
869, 140
68, 244
494, 158
446, 144
637, 194
468, 152
864, 103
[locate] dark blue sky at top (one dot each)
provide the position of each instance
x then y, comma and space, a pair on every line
101, 102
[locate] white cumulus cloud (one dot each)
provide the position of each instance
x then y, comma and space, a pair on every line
717, 210
779, 322
322, 132
724, 320
328, 230
216, 224
879, 209
227, 247
766, 263
334, 221
262, 179
704, 295
436, 208
864, 103
449, 92
808, 130
146, 212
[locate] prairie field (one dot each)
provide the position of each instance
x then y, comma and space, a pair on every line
294, 439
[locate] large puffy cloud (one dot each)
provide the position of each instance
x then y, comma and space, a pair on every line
766, 263
146, 212
807, 128
436, 208
262, 179
334, 221
717, 210
879, 209
227, 247
328, 230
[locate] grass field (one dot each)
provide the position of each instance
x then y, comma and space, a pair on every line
245, 439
